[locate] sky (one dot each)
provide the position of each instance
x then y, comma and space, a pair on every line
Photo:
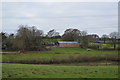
94, 17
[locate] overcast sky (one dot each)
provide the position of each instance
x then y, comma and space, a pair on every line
93, 17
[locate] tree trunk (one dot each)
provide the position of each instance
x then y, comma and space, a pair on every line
115, 43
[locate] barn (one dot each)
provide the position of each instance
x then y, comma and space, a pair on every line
67, 44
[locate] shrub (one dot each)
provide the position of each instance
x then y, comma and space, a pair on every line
89, 58
58, 53
112, 57
118, 46
93, 45
105, 46
70, 59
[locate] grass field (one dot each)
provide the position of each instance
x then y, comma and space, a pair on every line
62, 64
54, 71
57, 55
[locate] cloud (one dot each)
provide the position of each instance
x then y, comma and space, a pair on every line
94, 17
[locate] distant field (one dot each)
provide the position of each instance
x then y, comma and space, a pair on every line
57, 55
80, 50
54, 71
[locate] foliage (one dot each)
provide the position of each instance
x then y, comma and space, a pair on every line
105, 37
84, 42
105, 46
114, 35
26, 38
7, 41
71, 35
93, 38
93, 45
30, 38
118, 46
52, 33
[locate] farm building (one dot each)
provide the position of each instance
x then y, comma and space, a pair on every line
67, 44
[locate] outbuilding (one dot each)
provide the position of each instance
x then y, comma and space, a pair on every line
68, 44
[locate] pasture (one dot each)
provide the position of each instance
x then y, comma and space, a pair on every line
61, 63
55, 71
60, 55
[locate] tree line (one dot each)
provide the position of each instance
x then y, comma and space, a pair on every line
30, 38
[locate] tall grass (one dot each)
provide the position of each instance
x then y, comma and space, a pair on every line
70, 59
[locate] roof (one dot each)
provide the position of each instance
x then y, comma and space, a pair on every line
67, 42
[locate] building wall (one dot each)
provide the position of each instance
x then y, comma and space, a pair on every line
69, 45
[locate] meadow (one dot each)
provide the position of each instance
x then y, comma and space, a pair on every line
58, 71
60, 55
61, 63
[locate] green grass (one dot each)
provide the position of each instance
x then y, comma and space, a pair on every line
54, 71
80, 50
64, 53
103, 46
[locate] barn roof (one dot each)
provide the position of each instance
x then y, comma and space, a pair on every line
67, 42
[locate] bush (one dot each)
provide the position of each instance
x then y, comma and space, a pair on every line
112, 57
105, 46
58, 53
118, 46
93, 45
89, 58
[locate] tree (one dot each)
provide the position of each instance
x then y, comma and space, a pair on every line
84, 39
114, 36
29, 38
84, 33
52, 37
7, 41
71, 35
93, 37
3, 37
104, 37
52, 33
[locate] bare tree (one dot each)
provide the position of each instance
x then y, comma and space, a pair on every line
93, 37
114, 36
29, 38
52, 33
105, 37
84, 33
